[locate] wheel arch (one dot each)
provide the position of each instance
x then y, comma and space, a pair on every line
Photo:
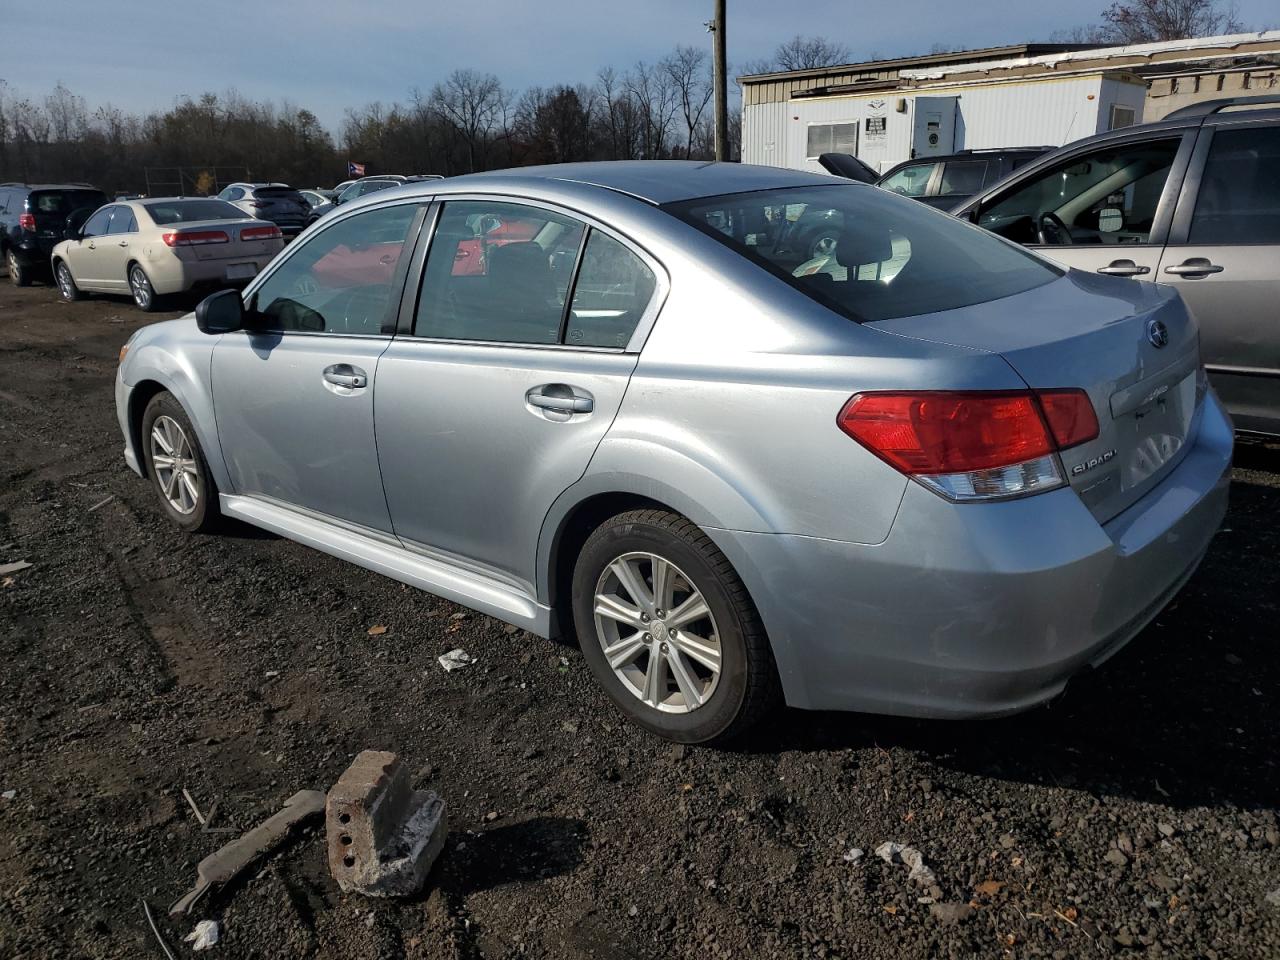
165, 372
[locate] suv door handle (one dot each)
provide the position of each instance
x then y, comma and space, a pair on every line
1123, 268
559, 398
345, 375
1195, 267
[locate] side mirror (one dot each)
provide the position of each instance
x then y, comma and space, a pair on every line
220, 312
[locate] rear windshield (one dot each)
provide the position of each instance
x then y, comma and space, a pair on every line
63, 202
865, 253
187, 211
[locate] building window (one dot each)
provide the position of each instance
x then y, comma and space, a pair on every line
831, 138
1121, 117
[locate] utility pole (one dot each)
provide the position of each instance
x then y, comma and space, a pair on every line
721, 82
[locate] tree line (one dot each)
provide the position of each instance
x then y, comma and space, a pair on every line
467, 122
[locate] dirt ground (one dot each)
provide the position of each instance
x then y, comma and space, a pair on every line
1136, 814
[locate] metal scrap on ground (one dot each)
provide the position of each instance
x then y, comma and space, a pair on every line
456, 659
225, 863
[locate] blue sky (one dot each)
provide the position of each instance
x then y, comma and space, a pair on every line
142, 54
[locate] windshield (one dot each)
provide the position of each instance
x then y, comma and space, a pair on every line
865, 253
187, 211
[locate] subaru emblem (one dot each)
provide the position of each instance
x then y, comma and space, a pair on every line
1157, 333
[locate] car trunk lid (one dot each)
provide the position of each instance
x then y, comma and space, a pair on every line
234, 248
1131, 346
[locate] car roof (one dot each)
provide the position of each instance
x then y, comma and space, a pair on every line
654, 181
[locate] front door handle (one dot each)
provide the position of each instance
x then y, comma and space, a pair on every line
1123, 268
560, 398
345, 375
1195, 267
124, 243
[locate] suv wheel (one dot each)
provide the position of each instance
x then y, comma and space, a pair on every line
20, 275
669, 629
144, 295
67, 283
177, 467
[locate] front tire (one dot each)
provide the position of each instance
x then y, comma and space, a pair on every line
144, 295
19, 274
67, 283
177, 466
669, 630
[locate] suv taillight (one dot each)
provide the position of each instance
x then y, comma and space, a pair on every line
27, 221
973, 445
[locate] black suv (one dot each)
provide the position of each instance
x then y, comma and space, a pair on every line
1193, 201
948, 181
33, 219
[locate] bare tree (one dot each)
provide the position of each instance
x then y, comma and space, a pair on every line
690, 76
473, 103
1148, 21
806, 53
654, 96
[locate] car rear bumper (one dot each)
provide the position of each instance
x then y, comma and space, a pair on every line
171, 275
980, 609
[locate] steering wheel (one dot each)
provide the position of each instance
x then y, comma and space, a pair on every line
1051, 230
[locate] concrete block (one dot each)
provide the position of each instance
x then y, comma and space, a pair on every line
383, 836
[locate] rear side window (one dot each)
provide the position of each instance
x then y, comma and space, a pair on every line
962, 177
612, 290
123, 221
865, 254
498, 272
1239, 198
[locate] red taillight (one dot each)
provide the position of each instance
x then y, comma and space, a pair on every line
1070, 416
261, 233
973, 445
195, 238
27, 221
925, 433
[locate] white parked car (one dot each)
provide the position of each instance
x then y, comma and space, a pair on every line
151, 248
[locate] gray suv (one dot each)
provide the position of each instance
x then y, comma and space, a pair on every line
1192, 201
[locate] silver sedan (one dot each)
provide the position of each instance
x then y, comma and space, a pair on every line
921, 471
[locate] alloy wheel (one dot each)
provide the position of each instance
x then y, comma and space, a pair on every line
141, 287
65, 283
174, 460
657, 632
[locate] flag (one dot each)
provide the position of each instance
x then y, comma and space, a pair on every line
355, 169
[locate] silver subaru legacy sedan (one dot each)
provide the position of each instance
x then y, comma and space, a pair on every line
915, 470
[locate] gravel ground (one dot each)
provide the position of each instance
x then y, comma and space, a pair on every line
1136, 814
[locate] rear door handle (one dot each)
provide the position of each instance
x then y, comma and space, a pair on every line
1195, 267
124, 243
560, 398
1123, 268
345, 375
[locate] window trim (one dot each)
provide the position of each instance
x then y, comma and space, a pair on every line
412, 238
413, 291
1180, 231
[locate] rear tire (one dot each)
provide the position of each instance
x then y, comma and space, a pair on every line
177, 466
144, 295
20, 275
705, 678
66, 282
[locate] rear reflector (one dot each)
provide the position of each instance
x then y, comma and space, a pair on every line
261, 233
973, 445
27, 221
195, 238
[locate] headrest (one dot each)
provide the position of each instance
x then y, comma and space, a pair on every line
861, 242
524, 256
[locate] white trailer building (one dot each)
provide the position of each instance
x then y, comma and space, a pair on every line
889, 111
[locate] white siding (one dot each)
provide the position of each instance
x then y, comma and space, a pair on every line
1120, 93
1013, 114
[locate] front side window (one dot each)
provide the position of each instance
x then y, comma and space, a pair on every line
1239, 198
1110, 196
879, 257
910, 181
341, 280
498, 272
96, 225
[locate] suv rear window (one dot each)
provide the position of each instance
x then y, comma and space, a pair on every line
64, 202
186, 211
864, 253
